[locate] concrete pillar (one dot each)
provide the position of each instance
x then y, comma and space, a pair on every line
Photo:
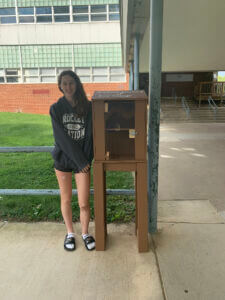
136, 62
131, 78
156, 27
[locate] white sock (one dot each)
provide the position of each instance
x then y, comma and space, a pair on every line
91, 245
84, 236
70, 234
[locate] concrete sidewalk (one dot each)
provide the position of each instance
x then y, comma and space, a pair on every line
186, 259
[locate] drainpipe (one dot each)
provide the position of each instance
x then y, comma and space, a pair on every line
131, 79
156, 27
136, 62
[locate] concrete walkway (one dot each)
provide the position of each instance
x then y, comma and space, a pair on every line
186, 259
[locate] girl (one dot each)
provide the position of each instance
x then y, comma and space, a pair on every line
71, 119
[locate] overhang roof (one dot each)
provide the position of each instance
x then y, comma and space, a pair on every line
132, 24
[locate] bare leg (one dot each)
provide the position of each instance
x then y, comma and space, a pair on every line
83, 190
65, 185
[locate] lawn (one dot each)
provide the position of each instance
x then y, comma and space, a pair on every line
35, 171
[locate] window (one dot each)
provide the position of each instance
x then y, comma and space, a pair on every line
117, 74
2, 73
12, 75
116, 70
44, 14
83, 71
114, 17
221, 76
46, 10
7, 11
60, 70
80, 13
100, 71
114, 12
7, 15
10, 72
84, 74
173, 77
12, 79
98, 17
98, 8
79, 9
61, 9
48, 79
44, 19
47, 71
48, 74
61, 13
26, 14
80, 18
98, 13
100, 79
31, 79
8, 20
120, 78
26, 10
30, 75
30, 72
27, 19
113, 7
62, 18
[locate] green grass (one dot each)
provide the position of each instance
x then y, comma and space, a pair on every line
18, 129
35, 171
221, 78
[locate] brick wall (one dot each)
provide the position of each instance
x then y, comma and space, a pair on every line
37, 98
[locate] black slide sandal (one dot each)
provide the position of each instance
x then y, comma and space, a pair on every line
87, 241
69, 241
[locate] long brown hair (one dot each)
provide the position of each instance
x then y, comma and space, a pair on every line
80, 99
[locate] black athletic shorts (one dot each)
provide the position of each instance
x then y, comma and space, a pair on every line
61, 168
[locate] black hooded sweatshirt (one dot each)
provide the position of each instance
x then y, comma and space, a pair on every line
73, 135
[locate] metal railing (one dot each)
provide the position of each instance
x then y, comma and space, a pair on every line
213, 106
205, 89
174, 96
23, 192
185, 106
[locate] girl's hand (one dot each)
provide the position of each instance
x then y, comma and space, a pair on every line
85, 169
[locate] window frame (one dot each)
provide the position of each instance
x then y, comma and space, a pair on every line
89, 15
8, 15
17, 75
55, 15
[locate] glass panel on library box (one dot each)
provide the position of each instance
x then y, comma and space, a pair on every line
119, 125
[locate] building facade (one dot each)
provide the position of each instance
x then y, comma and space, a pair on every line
41, 38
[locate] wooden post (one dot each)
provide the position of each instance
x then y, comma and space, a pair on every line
99, 206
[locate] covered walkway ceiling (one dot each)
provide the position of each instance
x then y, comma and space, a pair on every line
193, 34
134, 20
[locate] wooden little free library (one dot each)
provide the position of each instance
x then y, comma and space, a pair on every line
120, 144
